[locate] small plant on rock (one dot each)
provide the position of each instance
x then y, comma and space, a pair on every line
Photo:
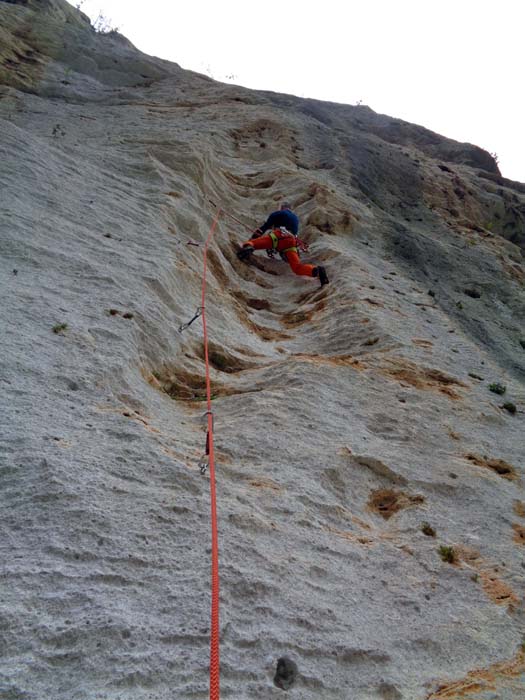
103, 25
497, 388
510, 407
428, 530
448, 554
59, 327
203, 398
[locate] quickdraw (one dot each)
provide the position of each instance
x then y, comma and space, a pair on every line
302, 245
198, 313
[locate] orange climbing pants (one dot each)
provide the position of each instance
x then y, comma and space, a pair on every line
285, 240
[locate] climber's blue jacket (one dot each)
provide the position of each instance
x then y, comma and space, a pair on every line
283, 217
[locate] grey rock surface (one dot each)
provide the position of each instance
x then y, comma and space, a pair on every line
348, 418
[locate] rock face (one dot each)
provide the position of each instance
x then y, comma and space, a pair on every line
370, 483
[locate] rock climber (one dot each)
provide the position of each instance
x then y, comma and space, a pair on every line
283, 227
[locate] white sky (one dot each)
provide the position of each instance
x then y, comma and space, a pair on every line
454, 66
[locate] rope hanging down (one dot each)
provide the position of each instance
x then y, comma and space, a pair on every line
208, 461
214, 634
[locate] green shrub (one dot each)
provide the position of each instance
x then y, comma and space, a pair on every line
448, 554
497, 388
428, 530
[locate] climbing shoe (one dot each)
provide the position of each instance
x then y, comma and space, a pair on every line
321, 273
245, 252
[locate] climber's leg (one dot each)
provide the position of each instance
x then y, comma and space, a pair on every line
260, 243
292, 258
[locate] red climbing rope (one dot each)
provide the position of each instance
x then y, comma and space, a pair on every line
214, 635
